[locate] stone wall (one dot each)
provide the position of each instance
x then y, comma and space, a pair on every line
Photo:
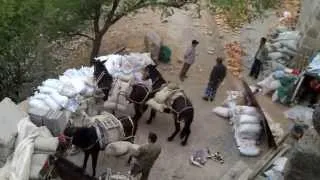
309, 26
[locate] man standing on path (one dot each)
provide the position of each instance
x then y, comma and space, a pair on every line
145, 157
260, 57
217, 76
189, 58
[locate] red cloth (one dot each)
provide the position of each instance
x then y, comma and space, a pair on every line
315, 85
295, 71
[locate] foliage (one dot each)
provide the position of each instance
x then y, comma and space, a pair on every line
239, 11
21, 46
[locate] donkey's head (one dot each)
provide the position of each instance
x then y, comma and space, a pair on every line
99, 67
150, 72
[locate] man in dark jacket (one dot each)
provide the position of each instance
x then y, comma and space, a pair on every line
260, 58
145, 157
217, 75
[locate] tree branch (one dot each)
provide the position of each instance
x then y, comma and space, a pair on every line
142, 4
81, 34
110, 15
96, 19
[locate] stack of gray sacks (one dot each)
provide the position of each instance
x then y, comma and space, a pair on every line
282, 48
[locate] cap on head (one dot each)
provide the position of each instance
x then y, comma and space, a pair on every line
263, 40
195, 42
153, 137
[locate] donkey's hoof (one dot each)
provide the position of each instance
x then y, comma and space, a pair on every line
183, 143
170, 138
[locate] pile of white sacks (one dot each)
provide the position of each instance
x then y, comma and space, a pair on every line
66, 93
246, 121
24, 148
283, 46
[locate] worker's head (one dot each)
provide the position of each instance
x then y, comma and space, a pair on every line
152, 137
219, 60
263, 41
195, 43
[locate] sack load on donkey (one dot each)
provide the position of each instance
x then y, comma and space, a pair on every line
102, 130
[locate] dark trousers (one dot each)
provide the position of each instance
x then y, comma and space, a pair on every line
184, 70
256, 68
212, 88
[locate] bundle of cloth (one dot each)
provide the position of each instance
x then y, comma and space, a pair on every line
31, 149
165, 97
283, 47
280, 83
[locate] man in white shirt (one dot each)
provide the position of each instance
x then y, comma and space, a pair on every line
189, 59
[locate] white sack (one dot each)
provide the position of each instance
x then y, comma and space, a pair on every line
247, 119
248, 110
51, 103
59, 99
68, 90
119, 148
249, 131
275, 96
46, 144
37, 162
287, 51
251, 150
274, 85
274, 56
53, 83
290, 44
46, 90
152, 103
39, 105
114, 106
222, 111
288, 35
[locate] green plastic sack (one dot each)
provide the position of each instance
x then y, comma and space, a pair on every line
165, 54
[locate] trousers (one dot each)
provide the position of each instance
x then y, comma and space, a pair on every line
184, 70
256, 68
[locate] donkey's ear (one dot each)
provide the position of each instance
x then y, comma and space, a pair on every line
103, 61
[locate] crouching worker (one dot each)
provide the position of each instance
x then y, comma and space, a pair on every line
145, 157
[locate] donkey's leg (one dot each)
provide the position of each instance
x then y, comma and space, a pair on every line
185, 133
94, 157
177, 125
153, 113
86, 157
139, 110
106, 94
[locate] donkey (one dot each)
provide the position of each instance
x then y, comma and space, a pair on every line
103, 77
86, 138
181, 108
66, 170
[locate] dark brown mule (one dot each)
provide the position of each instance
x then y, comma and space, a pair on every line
181, 108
